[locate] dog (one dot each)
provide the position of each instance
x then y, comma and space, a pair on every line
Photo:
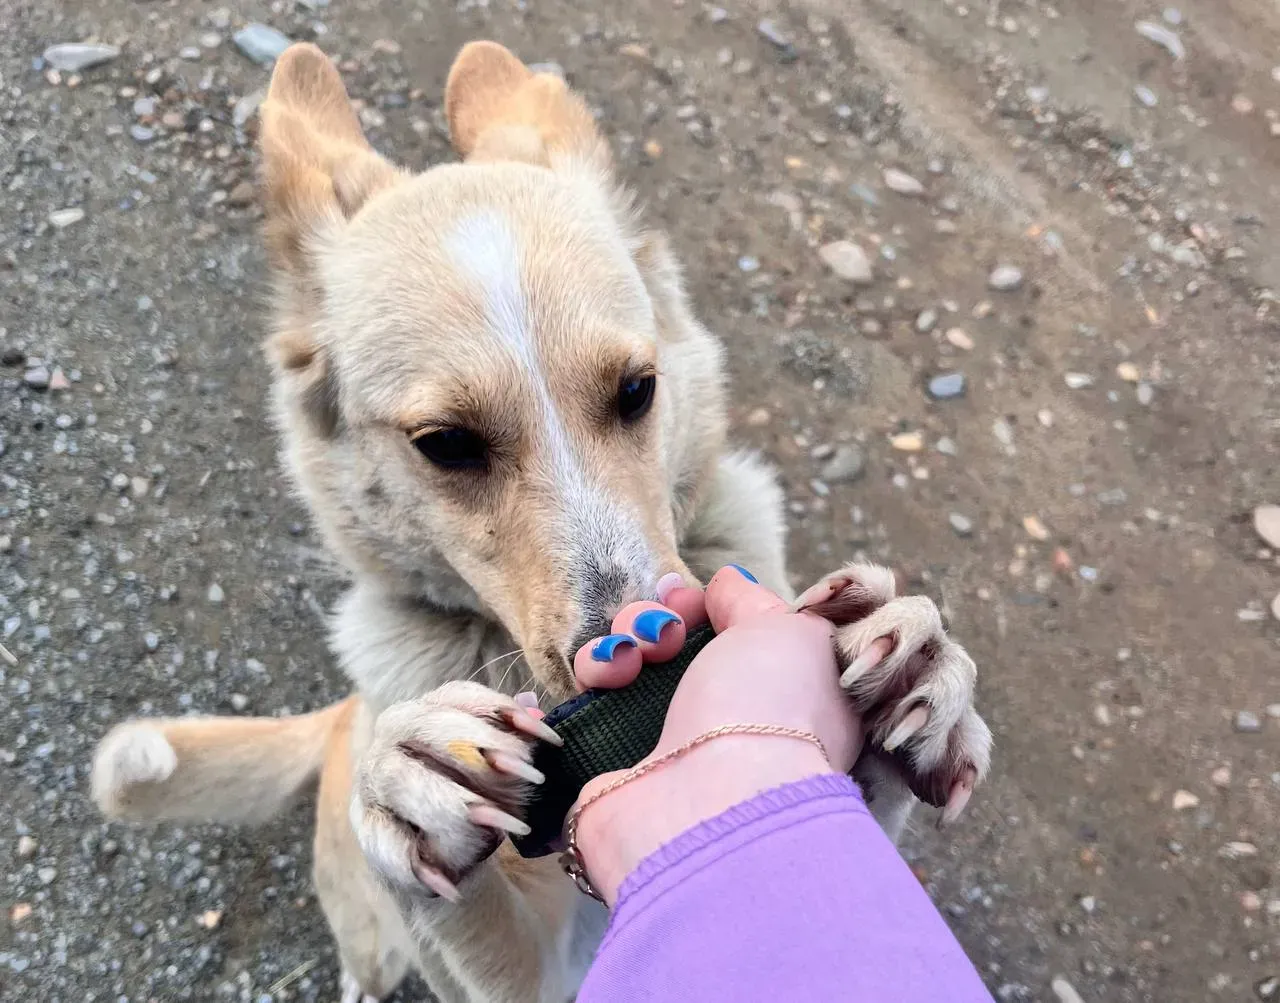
507, 423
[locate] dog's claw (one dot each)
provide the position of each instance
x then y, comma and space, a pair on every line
916, 719
435, 881
876, 652
515, 766
961, 791
821, 592
496, 818
521, 720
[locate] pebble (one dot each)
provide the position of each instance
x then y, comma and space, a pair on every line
58, 379
246, 108
1266, 522
848, 261
947, 386
926, 320
774, 35
1275, 606
1237, 849
1221, 777
1064, 990
957, 337
37, 377
1184, 800
242, 194
142, 133
12, 356
1035, 528
1146, 96
1078, 381
1128, 372
759, 417
261, 43
902, 183
76, 57
239, 701
1163, 37
26, 847
1005, 278
61, 218
1146, 393
47, 875
215, 594
1247, 721
907, 442
947, 446
845, 465
191, 53
1268, 988
962, 524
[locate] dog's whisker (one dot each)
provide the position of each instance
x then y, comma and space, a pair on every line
511, 665
505, 654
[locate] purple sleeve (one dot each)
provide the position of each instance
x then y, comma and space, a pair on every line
794, 895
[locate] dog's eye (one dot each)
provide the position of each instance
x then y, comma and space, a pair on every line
635, 396
453, 448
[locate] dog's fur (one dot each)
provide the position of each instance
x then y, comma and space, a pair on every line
509, 295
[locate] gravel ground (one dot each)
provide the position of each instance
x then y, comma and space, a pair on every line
998, 288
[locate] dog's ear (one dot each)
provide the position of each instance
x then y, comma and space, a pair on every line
498, 109
318, 168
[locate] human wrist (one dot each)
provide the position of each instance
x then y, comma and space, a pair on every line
617, 832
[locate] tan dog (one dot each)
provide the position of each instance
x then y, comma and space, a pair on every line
507, 425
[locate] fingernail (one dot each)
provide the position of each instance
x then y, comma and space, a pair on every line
667, 584
608, 646
650, 624
745, 573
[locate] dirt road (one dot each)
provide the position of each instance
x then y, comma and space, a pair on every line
1080, 495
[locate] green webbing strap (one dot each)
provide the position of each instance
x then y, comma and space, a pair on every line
603, 730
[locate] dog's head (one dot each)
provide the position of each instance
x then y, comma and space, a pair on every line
492, 391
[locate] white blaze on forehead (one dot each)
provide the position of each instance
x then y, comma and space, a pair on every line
600, 537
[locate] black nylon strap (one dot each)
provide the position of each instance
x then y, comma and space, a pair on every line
603, 730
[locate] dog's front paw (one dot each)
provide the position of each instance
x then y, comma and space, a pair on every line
443, 781
912, 684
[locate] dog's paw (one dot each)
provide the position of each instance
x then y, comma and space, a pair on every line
444, 780
131, 754
912, 684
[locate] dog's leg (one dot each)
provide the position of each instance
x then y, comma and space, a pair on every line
366, 923
740, 520
914, 687
442, 782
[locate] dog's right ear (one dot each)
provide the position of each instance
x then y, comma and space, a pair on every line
317, 167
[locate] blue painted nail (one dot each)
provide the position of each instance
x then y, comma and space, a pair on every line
745, 573
650, 624
608, 646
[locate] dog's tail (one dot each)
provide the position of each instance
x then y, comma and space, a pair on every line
213, 769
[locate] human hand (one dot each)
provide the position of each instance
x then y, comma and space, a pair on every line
766, 666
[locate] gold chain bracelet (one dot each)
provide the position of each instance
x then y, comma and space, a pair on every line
571, 858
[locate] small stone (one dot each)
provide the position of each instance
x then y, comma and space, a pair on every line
59, 219
239, 701
957, 337
845, 465
1184, 800
1242, 105
748, 263
1146, 96
242, 195
926, 320
774, 35
261, 43
215, 594
1266, 522
47, 875
1077, 381
1128, 372
1089, 904
1146, 393
12, 356
961, 524
902, 183
1238, 849
37, 377
1102, 715
946, 446
759, 417
1035, 528
210, 40
848, 261
246, 108
947, 386
1064, 990
151, 639
141, 133
20, 913
1005, 278
191, 53
652, 149
1273, 710
1268, 988
1247, 721
1163, 37
210, 919
907, 442
26, 847
76, 57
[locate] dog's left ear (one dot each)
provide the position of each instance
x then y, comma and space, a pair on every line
498, 109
